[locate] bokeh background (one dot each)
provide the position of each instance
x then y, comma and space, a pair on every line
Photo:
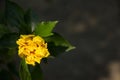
93, 26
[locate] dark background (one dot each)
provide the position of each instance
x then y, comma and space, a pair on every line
93, 26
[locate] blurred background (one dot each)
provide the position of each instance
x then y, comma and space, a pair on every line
93, 26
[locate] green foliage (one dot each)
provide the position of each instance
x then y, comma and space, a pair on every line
3, 30
58, 40
57, 44
24, 72
14, 22
9, 40
36, 72
44, 29
14, 14
27, 18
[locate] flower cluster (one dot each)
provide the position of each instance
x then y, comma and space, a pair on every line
32, 48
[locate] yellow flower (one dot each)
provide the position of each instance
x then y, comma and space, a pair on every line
32, 48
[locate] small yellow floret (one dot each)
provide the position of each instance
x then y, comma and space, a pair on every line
32, 48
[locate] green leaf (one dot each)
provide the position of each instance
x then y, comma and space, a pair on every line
14, 14
55, 50
28, 21
24, 71
16, 17
4, 57
36, 72
7, 54
57, 44
3, 30
58, 40
27, 17
9, 40
44, 29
